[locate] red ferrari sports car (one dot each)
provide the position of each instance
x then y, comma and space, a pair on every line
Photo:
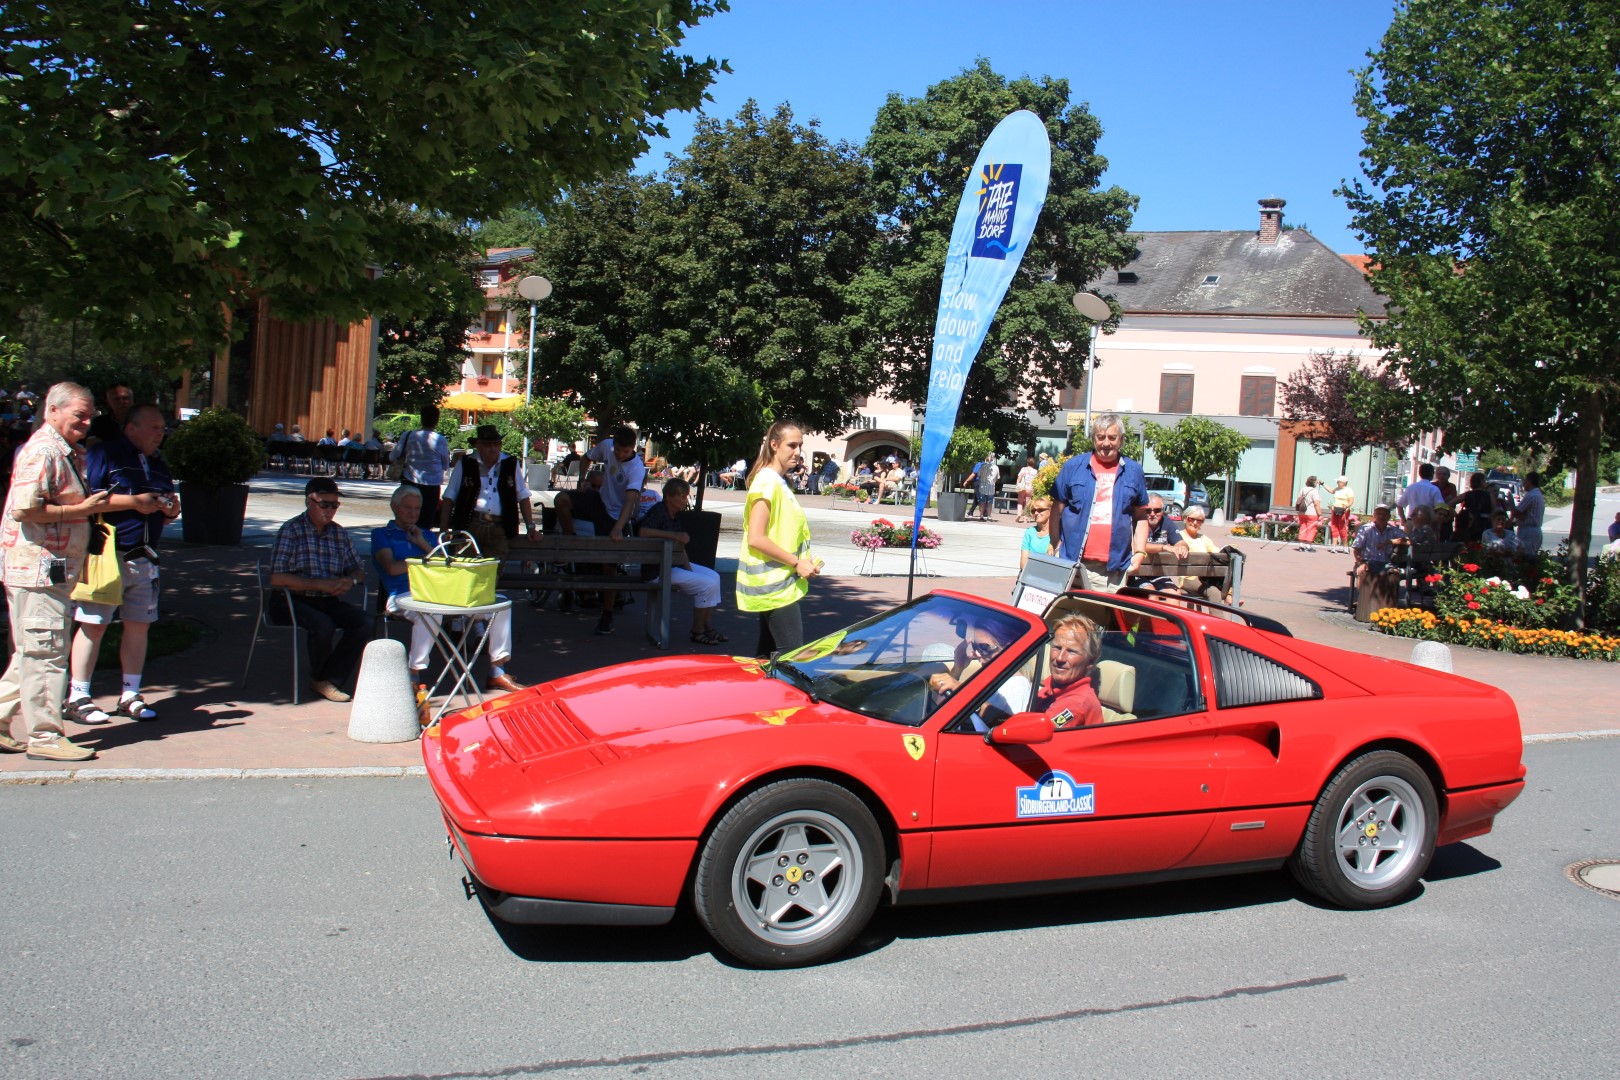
956, 748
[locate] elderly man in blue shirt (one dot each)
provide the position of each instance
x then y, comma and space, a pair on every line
1099, 510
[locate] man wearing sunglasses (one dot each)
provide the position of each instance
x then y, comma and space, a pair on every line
315, 561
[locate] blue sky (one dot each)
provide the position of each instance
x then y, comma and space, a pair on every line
1205, 107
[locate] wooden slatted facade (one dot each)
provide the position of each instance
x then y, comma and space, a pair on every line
318, 375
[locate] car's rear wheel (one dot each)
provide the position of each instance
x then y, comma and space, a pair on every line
791, 874
1371, 834
1173, 509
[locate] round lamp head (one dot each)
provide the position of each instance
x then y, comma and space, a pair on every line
535, 287
1092, 306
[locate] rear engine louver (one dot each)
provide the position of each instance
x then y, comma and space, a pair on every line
535, 728
1244, 677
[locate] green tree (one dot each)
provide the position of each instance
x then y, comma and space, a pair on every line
770, 224
967, 448
921, 150
543, 419
419, 355
517, 226
597, 252
1195, 449
213, 152
1491, 214
705, 411
1353, 405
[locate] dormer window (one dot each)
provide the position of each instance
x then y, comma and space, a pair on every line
1127, 277
1211, 279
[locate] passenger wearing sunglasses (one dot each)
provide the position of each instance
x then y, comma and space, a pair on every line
1163, 536
316, 562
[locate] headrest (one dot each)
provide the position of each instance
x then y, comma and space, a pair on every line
1116, 685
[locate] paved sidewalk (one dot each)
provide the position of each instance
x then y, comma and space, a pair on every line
207, 722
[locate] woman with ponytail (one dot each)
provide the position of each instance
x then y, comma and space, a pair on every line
775, 566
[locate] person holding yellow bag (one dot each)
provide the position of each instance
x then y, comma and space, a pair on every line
43, 534
141, 500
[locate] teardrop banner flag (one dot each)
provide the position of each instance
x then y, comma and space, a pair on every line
994, 221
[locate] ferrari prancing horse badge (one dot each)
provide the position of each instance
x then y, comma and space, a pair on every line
914, 746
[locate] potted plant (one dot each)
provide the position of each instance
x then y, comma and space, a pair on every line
967, 448
213, 455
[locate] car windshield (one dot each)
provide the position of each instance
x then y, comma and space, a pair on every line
881, 667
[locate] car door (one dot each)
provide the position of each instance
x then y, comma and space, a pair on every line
1133, 795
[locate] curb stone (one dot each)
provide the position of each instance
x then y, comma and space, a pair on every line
58, 776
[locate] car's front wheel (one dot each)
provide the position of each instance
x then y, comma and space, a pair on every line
791, 874
1371, 834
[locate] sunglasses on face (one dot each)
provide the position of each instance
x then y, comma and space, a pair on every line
981, 648
327, 505
1154, 511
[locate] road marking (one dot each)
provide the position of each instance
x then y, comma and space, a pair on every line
1572, 736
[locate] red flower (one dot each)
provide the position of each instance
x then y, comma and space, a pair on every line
1473, 606
1547, 581
1539, 601
1469, 596
1432, 578
1472, 568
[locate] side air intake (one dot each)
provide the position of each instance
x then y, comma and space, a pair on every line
1244, 677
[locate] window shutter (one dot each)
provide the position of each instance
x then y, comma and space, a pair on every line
1175, 392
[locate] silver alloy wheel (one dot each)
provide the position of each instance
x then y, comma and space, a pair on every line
797, 877
1380, 832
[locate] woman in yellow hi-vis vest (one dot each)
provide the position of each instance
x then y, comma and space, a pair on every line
775, 564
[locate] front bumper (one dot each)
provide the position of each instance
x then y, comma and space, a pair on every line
575, 882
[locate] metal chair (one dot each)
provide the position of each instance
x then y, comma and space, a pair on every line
262, 622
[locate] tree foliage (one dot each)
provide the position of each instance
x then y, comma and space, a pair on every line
705, 412
544, 418
921, 151
1349, 402
418, 355
1492, 216
210, 152
1195, 449
742, 256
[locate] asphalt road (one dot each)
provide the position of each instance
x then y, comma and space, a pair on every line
271, 928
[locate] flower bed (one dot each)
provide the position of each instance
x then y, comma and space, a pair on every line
1495, 601
1487, 634
883, 533
845, 491
1284, 527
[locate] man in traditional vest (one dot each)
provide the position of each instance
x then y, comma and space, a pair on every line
486, 494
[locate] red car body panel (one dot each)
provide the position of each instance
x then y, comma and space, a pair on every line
600, 787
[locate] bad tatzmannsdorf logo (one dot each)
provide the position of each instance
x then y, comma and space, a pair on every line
998, 199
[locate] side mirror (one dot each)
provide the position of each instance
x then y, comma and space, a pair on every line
1021, 729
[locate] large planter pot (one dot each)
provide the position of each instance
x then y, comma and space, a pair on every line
951, 506
703, 526
212, 515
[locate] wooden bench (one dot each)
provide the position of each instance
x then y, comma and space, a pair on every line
551, 553
1228, 567
1405, 563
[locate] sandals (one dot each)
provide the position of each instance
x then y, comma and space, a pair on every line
85, 712
135, 708
711, 636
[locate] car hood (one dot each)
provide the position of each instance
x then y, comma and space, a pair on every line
488, 762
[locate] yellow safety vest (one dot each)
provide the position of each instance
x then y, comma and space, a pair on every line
763, 584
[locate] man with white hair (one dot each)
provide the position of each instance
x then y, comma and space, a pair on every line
1099, 510
44, 534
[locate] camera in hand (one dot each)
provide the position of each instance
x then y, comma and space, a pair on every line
58, 571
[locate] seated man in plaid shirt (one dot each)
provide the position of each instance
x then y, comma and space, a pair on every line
316, 562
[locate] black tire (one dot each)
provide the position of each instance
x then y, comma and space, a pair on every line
1370, 837
1172, 509
819, 835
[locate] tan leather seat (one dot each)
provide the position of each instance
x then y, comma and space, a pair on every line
1116, 690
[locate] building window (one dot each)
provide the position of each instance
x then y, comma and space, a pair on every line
489, 278
1258, 396
1072, 397
859, 402
1175, 392
492, 322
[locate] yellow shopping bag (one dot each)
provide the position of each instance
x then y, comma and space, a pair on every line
440, 577
103, 579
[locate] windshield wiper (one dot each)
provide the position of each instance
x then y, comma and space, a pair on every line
798, 677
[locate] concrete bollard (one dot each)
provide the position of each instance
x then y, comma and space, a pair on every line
1432, 654
384, 708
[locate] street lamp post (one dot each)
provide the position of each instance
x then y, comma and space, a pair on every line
1096, 310
533, 289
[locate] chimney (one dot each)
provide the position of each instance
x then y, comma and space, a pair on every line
1271, 219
